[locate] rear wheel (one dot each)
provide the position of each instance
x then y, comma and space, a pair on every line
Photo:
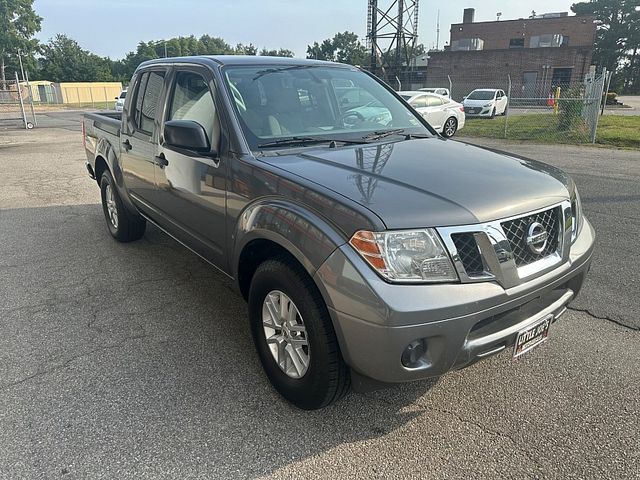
450, 127
123, 225
294, 336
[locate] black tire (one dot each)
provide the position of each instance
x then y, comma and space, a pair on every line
505, 111
493, 112
454, 126
327, 378
128, 226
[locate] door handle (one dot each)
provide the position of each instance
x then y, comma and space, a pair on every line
161, 160
127, 145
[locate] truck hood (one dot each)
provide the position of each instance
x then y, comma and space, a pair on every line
430, 182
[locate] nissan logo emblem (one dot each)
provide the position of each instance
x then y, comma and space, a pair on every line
537, 238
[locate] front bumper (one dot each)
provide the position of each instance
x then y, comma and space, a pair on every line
459, 323
483, 112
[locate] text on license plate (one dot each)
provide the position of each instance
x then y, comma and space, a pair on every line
532, 336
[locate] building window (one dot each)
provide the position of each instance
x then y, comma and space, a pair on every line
561, 77
516, 43
545, 41
467, 44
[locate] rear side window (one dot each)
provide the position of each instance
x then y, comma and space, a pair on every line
419, 102
147, 100
192, 100
434, 101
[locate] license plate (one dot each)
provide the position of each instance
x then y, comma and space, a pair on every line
533, 336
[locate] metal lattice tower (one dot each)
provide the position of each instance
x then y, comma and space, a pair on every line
373, 160
392, 34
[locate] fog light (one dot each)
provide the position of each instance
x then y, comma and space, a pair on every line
412, 355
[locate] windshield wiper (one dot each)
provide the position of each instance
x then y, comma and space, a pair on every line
307, 141
382, 134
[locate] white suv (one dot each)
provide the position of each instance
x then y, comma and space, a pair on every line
120, 100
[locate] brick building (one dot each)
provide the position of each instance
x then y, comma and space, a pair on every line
538, 53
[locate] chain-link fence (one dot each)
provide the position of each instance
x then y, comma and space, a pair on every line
555, 106
16, 105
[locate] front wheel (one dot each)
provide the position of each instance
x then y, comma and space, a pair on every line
450, 127
294, 336
123, 225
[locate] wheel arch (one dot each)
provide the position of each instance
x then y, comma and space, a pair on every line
274, 227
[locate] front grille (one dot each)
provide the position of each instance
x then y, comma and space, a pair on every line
468, 252
516, 232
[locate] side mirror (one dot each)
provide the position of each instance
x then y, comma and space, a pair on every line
117, 98
186, 135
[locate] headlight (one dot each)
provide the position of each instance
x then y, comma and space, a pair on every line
488, 105
576, 214
412, 256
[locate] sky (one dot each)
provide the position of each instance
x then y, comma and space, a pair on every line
114, 27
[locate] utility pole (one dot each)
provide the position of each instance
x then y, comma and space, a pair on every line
438, 31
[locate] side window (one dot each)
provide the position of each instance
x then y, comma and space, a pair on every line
434, 101
419, 102
147, 95
139, 96
192, 100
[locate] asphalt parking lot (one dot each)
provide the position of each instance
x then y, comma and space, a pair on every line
135, 360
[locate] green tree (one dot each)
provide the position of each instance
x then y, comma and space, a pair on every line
250, 49
18, 24
617, 38
281, 52
63, 60
344, 47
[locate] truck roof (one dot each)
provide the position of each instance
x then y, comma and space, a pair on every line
240, 60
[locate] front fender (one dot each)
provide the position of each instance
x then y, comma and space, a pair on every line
306, 235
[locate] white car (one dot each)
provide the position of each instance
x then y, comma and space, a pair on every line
442, 113
439, 90
485, 102
120, 100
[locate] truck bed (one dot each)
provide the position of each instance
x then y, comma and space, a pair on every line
108, 122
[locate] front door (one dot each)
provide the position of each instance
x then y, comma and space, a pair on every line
138, 147
191, 188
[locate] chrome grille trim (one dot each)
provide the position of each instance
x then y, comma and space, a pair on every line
499, 261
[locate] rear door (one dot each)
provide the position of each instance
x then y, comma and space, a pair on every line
435, 111
191, 188
138, 147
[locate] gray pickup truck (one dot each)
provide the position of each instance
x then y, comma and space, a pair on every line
370, 249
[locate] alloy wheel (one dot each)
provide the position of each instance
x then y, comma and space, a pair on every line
112, 209
285, 333
450, 127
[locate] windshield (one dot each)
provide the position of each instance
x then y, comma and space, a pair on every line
342, 104
482, 95
123, 94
